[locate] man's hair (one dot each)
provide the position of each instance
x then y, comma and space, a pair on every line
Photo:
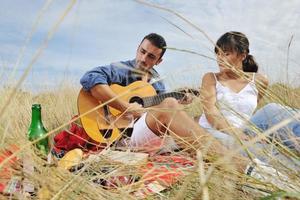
158, 41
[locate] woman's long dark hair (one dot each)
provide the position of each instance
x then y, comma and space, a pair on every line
237, 42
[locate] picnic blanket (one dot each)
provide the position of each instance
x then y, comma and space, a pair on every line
159, 173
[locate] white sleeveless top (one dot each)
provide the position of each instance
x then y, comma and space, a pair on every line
236, 107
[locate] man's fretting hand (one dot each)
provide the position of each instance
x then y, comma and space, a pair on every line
187, 99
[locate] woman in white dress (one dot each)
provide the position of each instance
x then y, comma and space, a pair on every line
230, 97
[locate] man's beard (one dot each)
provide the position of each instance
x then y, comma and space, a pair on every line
141, 66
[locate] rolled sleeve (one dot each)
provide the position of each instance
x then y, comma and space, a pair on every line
93, 77
99, 75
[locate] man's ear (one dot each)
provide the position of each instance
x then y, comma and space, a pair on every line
159, 61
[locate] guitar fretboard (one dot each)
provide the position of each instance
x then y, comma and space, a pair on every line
155, 100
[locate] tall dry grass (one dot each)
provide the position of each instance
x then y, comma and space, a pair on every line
51, 182
207, 180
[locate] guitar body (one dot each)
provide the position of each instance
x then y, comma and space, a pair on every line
103, 125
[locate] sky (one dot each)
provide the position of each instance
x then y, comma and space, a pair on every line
59, 45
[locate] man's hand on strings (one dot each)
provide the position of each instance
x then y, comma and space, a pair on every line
134, 110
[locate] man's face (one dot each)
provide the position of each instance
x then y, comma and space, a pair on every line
147, 55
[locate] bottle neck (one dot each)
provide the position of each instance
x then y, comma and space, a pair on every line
36, 116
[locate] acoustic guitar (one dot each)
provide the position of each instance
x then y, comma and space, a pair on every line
105, 124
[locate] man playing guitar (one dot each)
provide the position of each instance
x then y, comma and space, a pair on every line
153, 124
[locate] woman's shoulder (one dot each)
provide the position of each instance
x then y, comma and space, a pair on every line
209, 77
261, 78
257, 77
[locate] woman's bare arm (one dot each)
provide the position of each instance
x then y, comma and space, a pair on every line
209, 100
262, 84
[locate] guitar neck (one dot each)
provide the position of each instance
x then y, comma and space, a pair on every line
155, 100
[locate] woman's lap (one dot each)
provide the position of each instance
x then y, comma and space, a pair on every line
271, 115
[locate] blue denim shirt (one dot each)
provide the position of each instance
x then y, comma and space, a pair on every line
118, 73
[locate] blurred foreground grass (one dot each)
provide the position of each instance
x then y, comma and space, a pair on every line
51, 182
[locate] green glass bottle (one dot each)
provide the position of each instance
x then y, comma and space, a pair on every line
37, 129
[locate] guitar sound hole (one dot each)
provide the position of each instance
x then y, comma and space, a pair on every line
106, 133
137, 100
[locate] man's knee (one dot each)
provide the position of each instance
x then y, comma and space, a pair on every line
170, 103
165, 110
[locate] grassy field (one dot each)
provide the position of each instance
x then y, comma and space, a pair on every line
204, 181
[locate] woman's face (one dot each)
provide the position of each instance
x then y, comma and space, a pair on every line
227, 60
